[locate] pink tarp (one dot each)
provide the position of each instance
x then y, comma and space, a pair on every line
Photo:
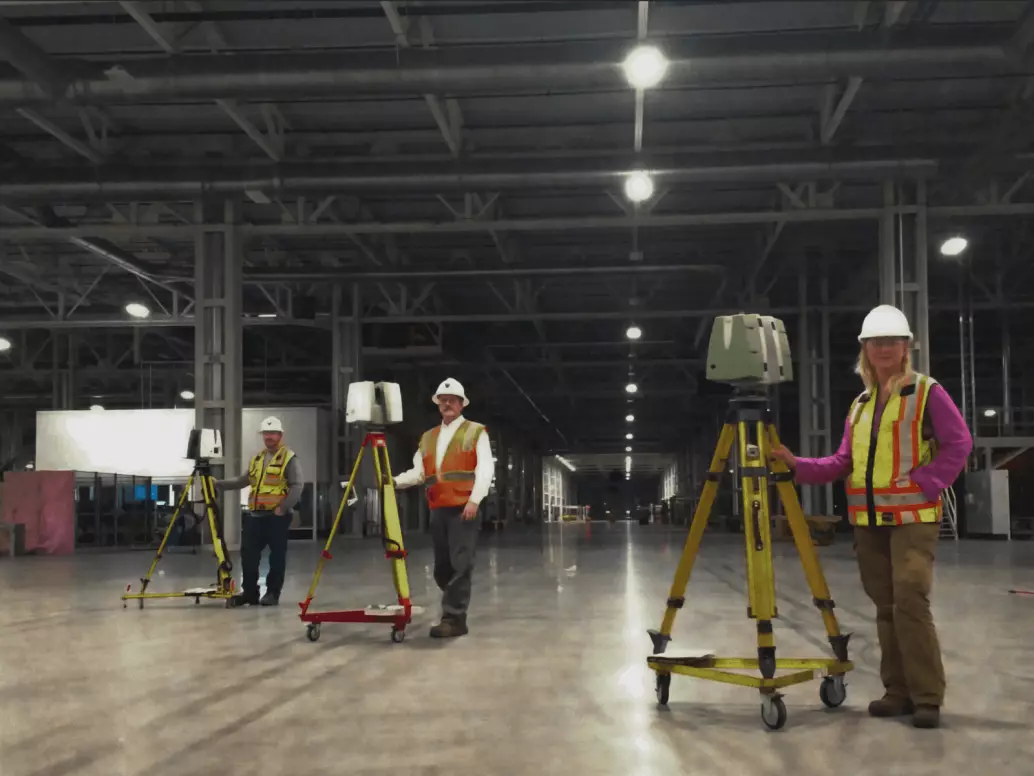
44, 502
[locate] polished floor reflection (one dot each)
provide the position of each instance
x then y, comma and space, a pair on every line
551, 680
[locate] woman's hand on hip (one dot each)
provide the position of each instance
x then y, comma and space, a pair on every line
780, 453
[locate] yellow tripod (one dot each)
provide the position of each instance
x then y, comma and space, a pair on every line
223, 588
750, 428
394, 550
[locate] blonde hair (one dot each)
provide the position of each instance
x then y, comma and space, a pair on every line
867, 372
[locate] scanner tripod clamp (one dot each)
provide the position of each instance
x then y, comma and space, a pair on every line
752, 353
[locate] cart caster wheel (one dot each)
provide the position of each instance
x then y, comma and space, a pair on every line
398, 636
833, 691
312, 632
773, 712
663, 685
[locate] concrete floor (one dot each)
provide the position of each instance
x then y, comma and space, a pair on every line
551, 680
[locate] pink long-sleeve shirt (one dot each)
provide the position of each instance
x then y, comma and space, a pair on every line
954, 444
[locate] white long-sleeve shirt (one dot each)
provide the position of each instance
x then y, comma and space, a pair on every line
483, 471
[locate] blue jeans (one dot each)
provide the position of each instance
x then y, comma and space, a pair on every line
261, 530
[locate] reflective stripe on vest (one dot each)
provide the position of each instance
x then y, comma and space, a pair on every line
268, 482
452, 486
880, 476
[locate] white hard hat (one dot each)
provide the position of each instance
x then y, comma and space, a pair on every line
452, 388
885, 321
271, 424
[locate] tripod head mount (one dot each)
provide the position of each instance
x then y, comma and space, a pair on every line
750, 352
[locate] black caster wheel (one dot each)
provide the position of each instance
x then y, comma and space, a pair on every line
663, 685
312, 632
833, 691
398, 636
773, 712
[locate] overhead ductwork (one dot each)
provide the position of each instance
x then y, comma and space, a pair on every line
545, 67
113, 183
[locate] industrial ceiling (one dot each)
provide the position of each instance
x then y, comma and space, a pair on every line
466, 162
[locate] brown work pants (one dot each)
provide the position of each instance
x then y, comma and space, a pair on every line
896, 565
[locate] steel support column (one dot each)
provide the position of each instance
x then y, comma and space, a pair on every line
346, 354
903, 272
502, 475
217, 345
536, 514
814, 390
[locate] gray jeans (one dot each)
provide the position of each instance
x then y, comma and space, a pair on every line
454, 542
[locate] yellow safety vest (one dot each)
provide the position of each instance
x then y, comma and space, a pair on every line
880, 481
269, 484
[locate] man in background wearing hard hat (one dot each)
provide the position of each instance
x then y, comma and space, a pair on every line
455, 463
275, 478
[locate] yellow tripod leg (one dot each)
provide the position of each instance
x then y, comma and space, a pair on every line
806, 550
146, 580
223, 575
395, 548
676, 596
757, 532
325, 555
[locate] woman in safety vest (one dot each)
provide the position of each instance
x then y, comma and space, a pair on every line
904, 442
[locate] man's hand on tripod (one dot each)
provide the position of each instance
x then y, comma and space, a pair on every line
780, 453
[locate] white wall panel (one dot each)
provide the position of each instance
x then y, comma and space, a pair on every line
151, 443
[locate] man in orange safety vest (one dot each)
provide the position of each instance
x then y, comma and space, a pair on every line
454, 463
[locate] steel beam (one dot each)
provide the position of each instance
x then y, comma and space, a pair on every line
322, 321
54, 130
40, 68
488, 175
560, 224
572, 65
150, 26
303, 276
269, 145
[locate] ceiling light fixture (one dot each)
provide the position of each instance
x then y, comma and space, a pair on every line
96, 408
638, 186
630, 418
186, 395
990, 413
628, 449
645, 67
953, 246
633, 332
629, 436
5, 344
138, 310
631, 387
565, 462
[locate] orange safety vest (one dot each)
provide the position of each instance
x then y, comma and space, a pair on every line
452, 486
269, 484
880, 467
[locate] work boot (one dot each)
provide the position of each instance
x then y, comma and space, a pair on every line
270, 599
891, 706
926, 716
450, 627
246, 599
